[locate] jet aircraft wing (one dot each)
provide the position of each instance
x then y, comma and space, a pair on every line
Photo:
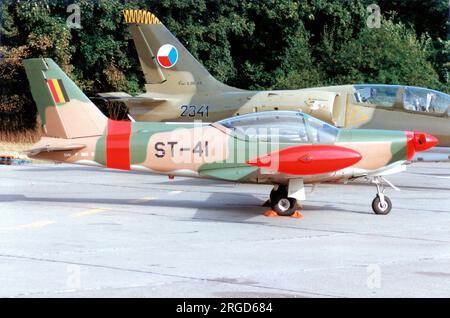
124, 97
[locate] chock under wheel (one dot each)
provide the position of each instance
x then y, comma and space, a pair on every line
273, 214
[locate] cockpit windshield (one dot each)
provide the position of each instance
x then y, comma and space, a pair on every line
284, 126
426, 100
407, 97
382, 95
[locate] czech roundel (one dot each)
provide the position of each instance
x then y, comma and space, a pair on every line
167, 56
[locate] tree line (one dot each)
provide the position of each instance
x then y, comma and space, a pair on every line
254, 44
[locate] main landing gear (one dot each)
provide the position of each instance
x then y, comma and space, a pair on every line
382, 205
284, 198
281, 203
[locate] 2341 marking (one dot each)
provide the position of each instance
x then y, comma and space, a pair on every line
194, 111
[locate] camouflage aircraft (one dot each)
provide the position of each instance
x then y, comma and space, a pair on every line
179, 88
286, 149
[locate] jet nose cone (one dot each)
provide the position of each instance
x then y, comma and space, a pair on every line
424, 141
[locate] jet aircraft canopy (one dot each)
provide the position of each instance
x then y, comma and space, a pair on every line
283, 126
409, 98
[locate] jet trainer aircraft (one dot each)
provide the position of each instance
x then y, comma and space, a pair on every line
179, 88
286, 149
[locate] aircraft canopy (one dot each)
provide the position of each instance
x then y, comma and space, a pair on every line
286, 126
410, 98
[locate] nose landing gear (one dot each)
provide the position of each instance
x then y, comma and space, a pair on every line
382, 205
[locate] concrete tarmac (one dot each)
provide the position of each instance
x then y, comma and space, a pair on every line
71, 231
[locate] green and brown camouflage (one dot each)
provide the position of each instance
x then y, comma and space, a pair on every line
186, 91
284, 148
77, 132
64, 110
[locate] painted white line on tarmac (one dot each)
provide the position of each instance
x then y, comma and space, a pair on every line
89, 212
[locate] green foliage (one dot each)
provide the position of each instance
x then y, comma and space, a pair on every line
426, 18
402, 59
249, 44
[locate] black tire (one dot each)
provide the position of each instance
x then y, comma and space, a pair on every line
276, 195
378, 208
284, 206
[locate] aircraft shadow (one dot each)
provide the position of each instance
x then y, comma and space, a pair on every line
213, 207
219, 207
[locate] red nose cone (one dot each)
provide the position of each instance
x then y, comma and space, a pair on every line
419, 142
424, 142
308, 160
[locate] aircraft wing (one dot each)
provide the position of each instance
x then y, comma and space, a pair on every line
230, 174
386, 171
37, 150
124, 97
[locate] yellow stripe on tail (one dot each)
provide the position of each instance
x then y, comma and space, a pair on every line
59, 91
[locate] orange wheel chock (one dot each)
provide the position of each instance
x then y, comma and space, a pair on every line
297, 215
273, 214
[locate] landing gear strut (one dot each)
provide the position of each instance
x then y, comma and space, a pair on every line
381, 204
281, 203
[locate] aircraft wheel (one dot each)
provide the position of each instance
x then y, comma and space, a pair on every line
380, 208
284, 206
276, 195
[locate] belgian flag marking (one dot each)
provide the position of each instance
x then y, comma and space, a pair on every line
58, 91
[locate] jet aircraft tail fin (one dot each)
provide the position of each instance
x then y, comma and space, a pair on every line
64, 109
167, 65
